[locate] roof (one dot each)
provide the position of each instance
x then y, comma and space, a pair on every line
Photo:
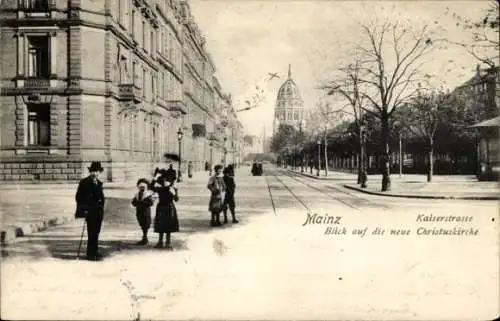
493, 122
289, 90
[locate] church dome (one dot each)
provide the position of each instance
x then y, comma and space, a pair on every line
289, 89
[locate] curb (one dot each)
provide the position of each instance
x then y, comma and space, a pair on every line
477, 198
358, 189
330, 178
9, 235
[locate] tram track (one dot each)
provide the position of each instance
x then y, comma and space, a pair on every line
339, 190
299, 199
322, 191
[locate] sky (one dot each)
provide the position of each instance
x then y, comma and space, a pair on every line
248, 39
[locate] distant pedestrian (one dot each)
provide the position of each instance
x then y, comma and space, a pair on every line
166, 221
142, 202
90, 205
229, 197
217, 188
190, 169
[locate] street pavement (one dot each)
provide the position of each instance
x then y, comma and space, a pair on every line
416, 186
272, 265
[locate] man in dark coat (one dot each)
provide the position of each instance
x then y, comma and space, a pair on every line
229, 197
90, 205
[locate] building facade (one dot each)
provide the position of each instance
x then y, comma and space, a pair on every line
103, 80
289, 107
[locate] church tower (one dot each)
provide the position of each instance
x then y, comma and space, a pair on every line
289, 108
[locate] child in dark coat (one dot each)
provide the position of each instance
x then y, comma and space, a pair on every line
229, 197
142, 202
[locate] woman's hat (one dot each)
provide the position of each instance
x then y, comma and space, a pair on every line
96, 167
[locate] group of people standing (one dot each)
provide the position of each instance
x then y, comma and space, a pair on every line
90, 202
222, 187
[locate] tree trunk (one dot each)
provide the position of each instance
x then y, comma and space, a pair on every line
360, 158
386, 164
362, 173
326, 156
430, 171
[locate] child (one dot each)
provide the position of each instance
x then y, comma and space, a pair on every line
217, 189
229, 197
142, 202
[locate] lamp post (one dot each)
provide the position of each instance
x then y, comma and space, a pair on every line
302, 124
225, 151
319, 156
400, 155
399, 124
211, 157
362, 175
179, 138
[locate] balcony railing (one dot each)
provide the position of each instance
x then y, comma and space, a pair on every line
177, 106
128, 92
38, 83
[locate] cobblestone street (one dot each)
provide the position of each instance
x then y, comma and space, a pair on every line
269, 264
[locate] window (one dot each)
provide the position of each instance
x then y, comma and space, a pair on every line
120, 11
154, 94
169, 47
162, 89
122, 123
38, 131
38, 57
154, 141
134, 73
132, 24
144, 35
35, 5
145, 135
125, 132
152, 42
144, 79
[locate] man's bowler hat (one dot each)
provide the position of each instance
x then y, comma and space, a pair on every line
96, 167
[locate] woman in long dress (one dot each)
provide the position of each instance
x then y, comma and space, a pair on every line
166, 220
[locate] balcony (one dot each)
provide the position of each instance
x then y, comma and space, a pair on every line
177, 106
37, 83
128, 92
212, 137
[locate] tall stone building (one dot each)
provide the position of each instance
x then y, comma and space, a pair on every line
289, 107
101, 80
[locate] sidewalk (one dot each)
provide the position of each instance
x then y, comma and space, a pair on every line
30, 208
465, 187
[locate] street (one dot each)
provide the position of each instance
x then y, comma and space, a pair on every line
279, 262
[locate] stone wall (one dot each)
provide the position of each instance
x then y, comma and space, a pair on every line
36, 171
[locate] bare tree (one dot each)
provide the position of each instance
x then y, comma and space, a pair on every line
391, 64
485, 34
422, 116
321, 119
348, 88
